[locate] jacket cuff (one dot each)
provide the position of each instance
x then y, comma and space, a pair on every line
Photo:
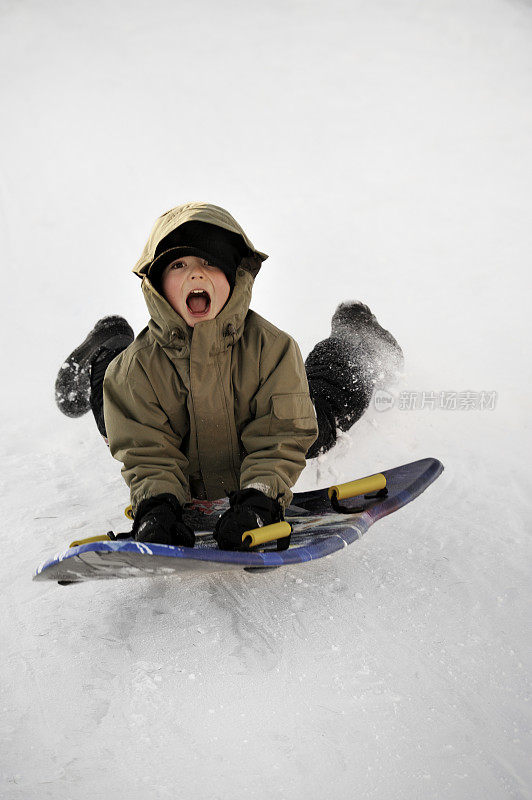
156, 489
283, 496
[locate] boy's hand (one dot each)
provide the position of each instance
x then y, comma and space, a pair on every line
248, 509
159, 520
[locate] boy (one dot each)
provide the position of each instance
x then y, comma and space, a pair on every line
211, 399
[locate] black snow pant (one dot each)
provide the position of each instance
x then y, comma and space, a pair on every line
97, 374
338, 382
340, 387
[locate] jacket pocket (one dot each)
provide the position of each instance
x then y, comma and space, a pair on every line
292, 413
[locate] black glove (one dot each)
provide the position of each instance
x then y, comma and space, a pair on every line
158, 520
248, 509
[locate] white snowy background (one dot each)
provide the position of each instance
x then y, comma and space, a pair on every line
378, 151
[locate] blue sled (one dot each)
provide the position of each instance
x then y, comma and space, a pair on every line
318, 530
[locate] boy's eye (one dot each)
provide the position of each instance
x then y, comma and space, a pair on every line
178, 264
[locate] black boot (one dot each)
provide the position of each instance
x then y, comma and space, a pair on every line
344, 370
107, 339
377, 351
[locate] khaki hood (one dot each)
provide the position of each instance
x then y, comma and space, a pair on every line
200, 212
167, 326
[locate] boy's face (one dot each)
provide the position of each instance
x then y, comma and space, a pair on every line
181, 281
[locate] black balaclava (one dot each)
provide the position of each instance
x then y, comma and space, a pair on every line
220, 247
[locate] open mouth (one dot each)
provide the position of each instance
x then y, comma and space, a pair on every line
198, 302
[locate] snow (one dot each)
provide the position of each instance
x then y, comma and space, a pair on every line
378, 151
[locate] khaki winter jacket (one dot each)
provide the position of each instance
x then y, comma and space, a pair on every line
200, 412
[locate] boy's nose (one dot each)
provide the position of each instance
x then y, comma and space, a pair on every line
197, 270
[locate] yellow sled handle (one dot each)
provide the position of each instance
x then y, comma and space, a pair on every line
102, 538
268, 533
373, 483
129, 512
